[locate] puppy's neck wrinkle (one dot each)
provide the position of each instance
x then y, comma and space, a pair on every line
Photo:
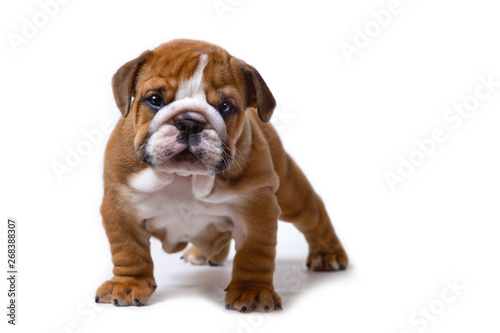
243, 152
120, 156
255, 161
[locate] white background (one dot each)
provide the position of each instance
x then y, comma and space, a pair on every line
345, 123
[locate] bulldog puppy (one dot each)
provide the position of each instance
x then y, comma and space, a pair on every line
195, 160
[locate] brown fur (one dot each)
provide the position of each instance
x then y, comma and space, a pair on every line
262, 173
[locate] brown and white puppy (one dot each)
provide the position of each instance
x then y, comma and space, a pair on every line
194, 160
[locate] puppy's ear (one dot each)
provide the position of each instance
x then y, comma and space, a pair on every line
257, 92
124, 80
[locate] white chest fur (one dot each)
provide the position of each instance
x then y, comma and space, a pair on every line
175, 203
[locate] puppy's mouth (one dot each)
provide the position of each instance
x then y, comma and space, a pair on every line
173, 150
185, 156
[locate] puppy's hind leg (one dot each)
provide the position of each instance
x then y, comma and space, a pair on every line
302, 206
210, 247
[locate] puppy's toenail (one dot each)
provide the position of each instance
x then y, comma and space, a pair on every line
115, 302
278, 306
97, 299
266, 308
228, 306
243, 309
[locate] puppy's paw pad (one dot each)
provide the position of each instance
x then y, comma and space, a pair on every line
250, 298
328, 261
123, 291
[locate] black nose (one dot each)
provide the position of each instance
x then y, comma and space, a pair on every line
189, 126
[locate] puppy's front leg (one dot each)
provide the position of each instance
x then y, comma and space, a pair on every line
133, 281
251, 287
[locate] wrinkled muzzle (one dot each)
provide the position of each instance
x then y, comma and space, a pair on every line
187, 137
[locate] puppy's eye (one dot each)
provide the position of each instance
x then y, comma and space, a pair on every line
226, 108
155, 101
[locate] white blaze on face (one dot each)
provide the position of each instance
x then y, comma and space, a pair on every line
190, 100
194, 86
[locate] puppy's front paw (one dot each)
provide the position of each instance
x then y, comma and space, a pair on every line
335, 260
126, 290
248, 297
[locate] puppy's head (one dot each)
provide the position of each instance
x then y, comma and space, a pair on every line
187, 100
